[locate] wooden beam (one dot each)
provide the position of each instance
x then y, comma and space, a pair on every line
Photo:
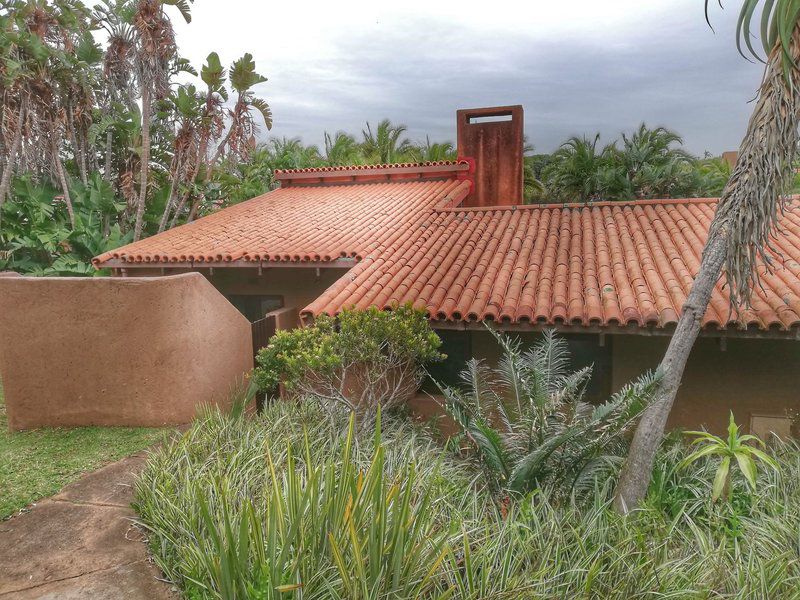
353, 174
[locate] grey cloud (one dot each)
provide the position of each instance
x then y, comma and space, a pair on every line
674, 72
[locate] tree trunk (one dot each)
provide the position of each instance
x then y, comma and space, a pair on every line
635, 476
109, 154
195, 170
145, 163
761, 173
62, 177
171, 198
77, 147
5, 182
179, 209
195, 207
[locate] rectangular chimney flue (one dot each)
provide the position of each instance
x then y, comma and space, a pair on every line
493, 137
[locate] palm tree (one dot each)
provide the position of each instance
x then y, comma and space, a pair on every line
528, 424
342, 149
209, 129
118, 95
433, 151
241, 136
713, 174
576, 170
47, 83
290, 153
651, 164
746, 215
187, 105
155, 49
386, 144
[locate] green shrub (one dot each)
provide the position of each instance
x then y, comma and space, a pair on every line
734, 447
362, 358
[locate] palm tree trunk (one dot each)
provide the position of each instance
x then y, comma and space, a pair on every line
145, 162
761, 173
179, 209
195, 207
109, 154
62, 177
201, 157
237, 110
77, 147
171, 198
5, 182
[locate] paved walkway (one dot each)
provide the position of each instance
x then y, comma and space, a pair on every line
81, 544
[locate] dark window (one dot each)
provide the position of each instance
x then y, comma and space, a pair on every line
587, 351
457, 345
254, 307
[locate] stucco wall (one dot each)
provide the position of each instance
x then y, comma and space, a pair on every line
750, 376
758, 376
117, 351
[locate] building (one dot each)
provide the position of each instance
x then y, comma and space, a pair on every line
454, 239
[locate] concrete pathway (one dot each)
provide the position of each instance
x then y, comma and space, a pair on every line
81, 544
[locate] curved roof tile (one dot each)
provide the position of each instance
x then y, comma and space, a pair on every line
607, 263
599, 264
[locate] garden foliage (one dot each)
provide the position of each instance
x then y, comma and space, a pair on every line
527, 424
292, 504
360, 359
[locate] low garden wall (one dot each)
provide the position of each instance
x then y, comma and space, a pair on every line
117, 351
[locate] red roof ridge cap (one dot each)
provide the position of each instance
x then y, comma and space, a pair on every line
574, 205
357, 173
339, 168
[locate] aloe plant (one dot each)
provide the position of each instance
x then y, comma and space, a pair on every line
734, 448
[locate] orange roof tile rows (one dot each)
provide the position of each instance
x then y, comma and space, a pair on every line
617, 263
292, 224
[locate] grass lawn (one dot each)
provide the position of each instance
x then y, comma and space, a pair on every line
36, 464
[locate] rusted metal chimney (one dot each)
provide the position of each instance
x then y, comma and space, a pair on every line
730, 157
493, 137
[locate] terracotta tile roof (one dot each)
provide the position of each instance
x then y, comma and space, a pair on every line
298, 223
616, 263
619, 263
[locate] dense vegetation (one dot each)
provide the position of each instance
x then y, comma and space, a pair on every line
292, 504
102, 140
322, 497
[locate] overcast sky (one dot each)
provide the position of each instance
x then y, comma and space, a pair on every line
577, 66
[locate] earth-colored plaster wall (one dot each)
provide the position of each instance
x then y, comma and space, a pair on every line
750, 376
117, 351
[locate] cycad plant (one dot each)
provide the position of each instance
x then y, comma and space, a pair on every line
735, 447
529, 425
